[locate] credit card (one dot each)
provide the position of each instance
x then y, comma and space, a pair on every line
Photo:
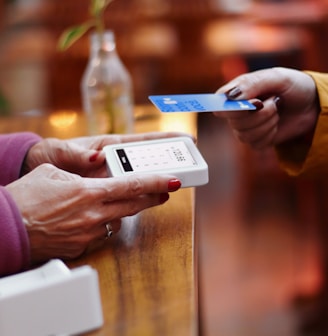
203, 102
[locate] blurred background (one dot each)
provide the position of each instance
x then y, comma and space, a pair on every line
260, 235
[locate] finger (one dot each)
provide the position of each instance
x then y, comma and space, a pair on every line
259, 133
254, 120
233, 114
103, 236
78, 244
267, 140
126, 187
100, 213
241, 114
71, 156
130, 207
254, 84
101, 231
113, 226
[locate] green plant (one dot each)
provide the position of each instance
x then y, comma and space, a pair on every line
96, 12
4, 105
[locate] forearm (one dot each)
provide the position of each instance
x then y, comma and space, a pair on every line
14, 244
13, 149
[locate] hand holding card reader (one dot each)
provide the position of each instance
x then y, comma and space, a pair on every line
178, 156
50, 300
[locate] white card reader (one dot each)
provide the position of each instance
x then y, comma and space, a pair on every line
178, 156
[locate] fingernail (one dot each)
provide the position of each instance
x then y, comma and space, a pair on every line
93, 157
277, 101
233, 93
258, 104
174, 185
163, 198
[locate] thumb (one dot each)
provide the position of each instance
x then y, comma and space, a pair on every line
78, 158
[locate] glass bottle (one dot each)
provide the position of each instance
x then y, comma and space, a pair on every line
106, 88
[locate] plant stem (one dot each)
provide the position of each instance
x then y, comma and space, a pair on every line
100, 27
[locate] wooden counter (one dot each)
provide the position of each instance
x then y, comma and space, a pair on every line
147, 272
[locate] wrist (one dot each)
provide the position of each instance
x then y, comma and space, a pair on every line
27, 165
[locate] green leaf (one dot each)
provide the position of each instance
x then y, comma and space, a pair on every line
4, 105
71, 35
98, 6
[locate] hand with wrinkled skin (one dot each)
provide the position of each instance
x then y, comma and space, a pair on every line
287, 106
65, 213
82, 156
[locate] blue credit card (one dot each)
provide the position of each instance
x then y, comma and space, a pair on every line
204, 102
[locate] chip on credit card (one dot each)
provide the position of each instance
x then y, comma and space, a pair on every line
203, 102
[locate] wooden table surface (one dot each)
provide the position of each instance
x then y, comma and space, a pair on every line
147, 272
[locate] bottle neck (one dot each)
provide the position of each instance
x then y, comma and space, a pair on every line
102, 44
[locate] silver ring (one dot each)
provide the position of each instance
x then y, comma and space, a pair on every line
109, 230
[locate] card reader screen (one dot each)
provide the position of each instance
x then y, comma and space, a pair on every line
152, 157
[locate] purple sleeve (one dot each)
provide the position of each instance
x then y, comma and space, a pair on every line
13, 149
14, 244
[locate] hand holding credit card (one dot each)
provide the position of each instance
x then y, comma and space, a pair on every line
203, 102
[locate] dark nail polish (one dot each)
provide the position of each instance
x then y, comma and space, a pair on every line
258, 104
233, 93
174, 185
93, 157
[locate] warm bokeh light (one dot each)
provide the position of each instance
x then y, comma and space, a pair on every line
225, 37
179, 122
63, 118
